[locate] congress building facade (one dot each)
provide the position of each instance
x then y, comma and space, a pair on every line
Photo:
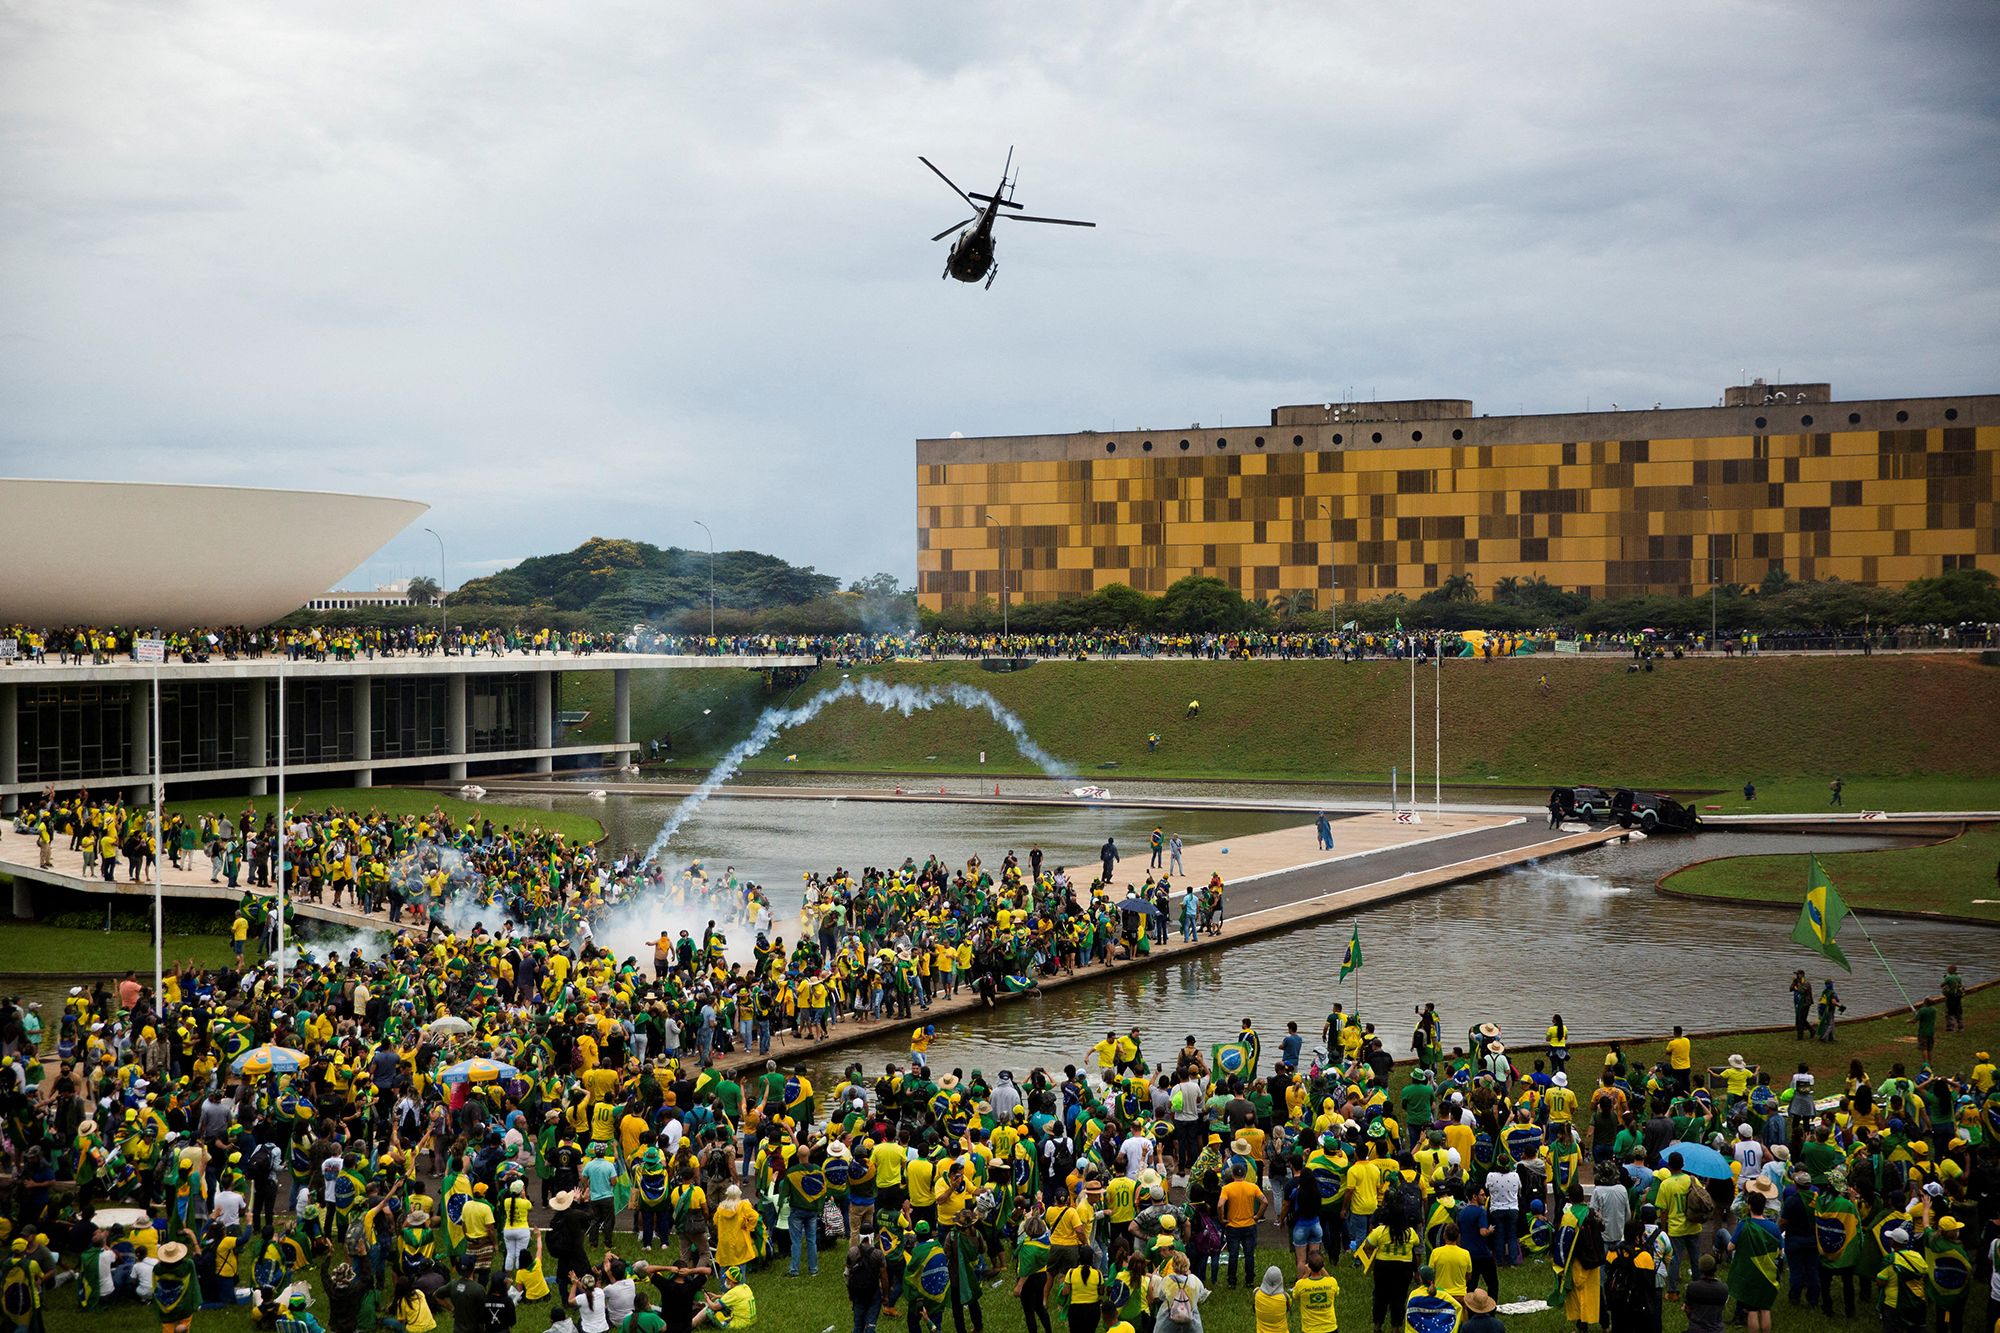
1352, 501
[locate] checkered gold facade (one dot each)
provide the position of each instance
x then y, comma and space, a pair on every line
1615, 504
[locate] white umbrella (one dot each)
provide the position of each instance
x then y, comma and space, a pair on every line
448, 1026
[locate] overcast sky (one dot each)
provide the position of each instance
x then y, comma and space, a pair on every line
564, 270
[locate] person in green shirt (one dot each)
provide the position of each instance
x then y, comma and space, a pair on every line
1926, 1019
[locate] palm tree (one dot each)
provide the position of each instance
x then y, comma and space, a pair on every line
1458, 588
424, 590
1506, 589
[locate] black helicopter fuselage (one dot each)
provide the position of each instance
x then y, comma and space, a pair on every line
972, 253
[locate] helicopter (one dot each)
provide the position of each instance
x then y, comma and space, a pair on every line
971, 255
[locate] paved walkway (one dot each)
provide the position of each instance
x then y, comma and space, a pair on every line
17, 858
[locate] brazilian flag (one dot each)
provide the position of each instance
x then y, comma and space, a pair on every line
1838, 1231
1232, 1059
808, 1183
457, 1192
1821, 915
1951, 1273
1753, 1272
1350, 961
1432, 1312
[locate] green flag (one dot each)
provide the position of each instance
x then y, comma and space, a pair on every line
1820, 917
1351, 960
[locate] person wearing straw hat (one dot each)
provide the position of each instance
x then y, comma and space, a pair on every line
176, 1288
1480, 1308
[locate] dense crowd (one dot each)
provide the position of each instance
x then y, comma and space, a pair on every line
98, 645
458, 1125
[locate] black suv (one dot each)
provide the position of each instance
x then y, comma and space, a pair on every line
1652, 812
1588, 804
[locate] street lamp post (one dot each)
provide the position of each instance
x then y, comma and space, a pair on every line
444, 621
1332, 565
711, 577
1708, 503
1003, 575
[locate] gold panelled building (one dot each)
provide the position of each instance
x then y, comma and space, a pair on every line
1351, 501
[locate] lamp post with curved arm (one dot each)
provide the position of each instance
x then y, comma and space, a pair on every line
444, 617
1003, 576
711, 577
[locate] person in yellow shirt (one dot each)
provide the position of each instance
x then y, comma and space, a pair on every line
1069, 1238
921, 1174
1314, 1296
1240, 1206
1270, 1308
1106, 1052
1451, 1264
887, 1158
1680, 1061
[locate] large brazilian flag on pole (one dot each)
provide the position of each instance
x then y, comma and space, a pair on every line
1821, 915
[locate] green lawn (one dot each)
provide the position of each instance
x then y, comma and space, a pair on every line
1892, 728
819, 1305
29, 947
1955, 877
701, 711
396, 802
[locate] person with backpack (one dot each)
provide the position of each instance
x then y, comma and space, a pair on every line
1631, 1292
1577, 1256
1389, 1253
863, 1275
1176, 1295
1685, 1215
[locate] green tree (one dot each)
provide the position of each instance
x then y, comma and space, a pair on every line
1201, 602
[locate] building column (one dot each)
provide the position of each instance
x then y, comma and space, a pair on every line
10, 745
621, 712
545, 719
364, 731
140, 713
260, 733
454, 725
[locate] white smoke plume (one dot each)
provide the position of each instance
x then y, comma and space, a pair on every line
905, 699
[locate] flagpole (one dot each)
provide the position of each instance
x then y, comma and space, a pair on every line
1855, 917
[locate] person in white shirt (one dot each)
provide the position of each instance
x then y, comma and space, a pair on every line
619, 1294
1748, 1153
590, 1315
1137, 1152
228, 1207
329, 1176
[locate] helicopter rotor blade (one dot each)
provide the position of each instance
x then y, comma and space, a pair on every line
948, 181
952, 228
1059, 222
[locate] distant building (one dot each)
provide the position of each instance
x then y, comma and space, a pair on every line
1352, 501
354, 599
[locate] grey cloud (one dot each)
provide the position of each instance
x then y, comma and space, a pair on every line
563, 271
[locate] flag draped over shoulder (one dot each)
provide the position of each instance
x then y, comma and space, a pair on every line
1350, 962
1753, 1272
1821, 915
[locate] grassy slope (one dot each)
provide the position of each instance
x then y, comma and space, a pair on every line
395, 802
1894, 728
1877, 1043
1951, 877
31, 947
671, 704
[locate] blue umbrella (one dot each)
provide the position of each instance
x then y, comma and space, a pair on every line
1699, 1160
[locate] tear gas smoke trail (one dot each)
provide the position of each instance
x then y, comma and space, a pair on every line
905, 699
